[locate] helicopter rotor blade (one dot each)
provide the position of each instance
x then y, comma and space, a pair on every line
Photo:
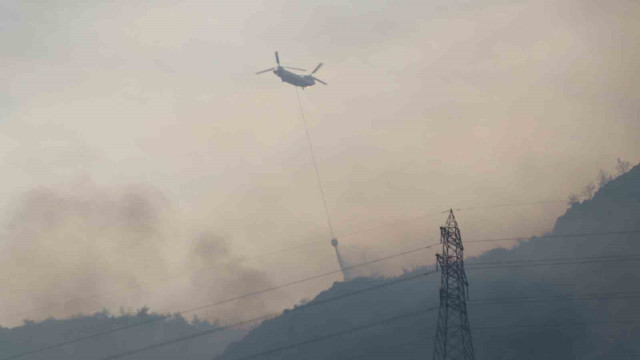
318, 80
316, 69
292, 68
277, 58
264, 71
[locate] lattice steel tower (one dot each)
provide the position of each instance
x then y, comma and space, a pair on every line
453, 336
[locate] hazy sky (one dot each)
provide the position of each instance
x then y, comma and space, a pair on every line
136, 141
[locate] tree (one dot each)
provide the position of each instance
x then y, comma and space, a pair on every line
603, 179
143, 311
589, 190
622, 166
573, 199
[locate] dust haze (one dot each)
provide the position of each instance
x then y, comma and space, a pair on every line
136, 143
83, 249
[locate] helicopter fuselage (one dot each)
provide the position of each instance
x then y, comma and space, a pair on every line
302, 81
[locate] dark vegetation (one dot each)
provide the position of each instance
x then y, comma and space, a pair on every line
528, 327
36, 335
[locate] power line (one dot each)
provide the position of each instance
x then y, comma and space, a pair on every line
398, 222
471, 265
570, 324
162, 344
574, 235
498, 265
315, 303
387, 348
139, 285
495, 301
77, 340
394, 223
301, 246
366, 353
416, 313
73, 341
512, 204
298, 281
547, 262
568, 236
203, 333
560, 298
412, 314
366, 326
610, 257
389, 224
421, 341
315, 166
178, 275
188, 337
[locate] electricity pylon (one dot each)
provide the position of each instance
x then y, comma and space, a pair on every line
453, 336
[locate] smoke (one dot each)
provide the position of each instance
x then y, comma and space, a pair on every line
62, 244
78, 250
226, 276
519, 306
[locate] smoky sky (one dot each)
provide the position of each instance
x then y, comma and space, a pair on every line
430, 105
86, 248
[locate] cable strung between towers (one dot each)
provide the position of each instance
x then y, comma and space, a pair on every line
334, 240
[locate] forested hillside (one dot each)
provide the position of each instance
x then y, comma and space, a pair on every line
551, 297
156, 328
557, 296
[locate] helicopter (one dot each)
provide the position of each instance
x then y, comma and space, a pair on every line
302, 81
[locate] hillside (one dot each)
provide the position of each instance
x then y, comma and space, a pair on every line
519, 307
36, 335
522, 305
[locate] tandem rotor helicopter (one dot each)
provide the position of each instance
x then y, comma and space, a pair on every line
302, 81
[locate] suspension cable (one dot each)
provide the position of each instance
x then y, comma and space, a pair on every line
315, 166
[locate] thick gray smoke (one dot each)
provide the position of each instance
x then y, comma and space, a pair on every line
67, 251
225, 276
62, 245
